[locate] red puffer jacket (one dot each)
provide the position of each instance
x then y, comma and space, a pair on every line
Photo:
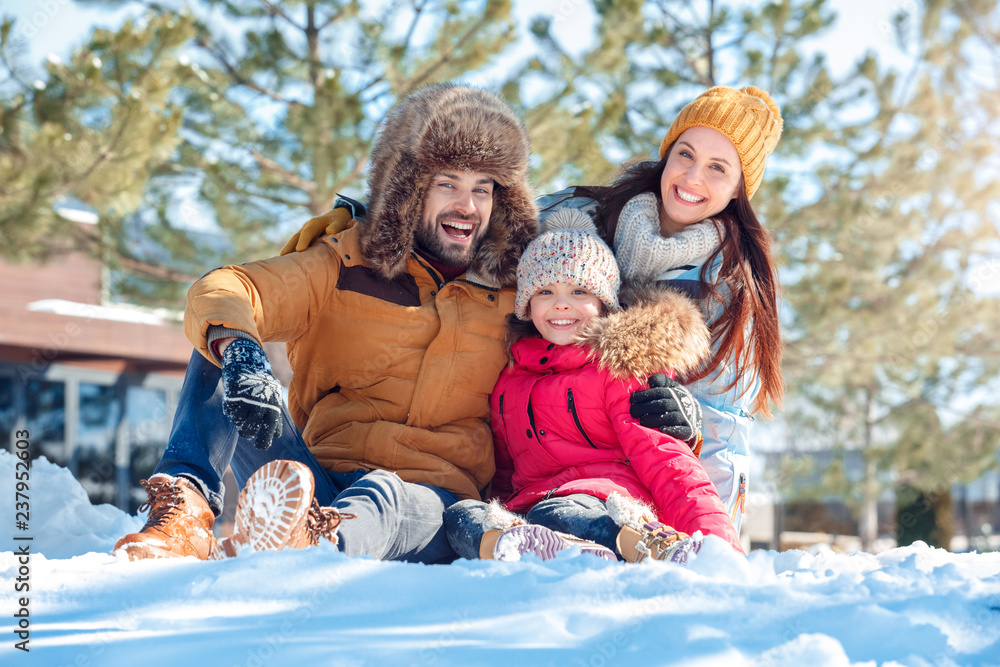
561, 423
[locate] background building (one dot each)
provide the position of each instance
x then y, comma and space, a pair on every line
95, 384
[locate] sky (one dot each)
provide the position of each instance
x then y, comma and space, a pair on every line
56, 26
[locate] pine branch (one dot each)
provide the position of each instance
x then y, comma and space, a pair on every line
108, 151
351, 177
279, 12
269, 197
446, 57
709, 53
418, 8
292, 179
242, 80
333, 19
965, 416
91, 241
692, 65
778, 38
14, 76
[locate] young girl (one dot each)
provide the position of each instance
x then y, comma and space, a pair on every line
686, 222
568, 453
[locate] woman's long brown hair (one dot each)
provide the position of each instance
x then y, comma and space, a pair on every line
747, 332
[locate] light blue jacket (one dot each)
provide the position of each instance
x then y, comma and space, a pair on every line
726, 428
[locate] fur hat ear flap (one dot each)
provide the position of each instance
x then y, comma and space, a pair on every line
387, 243
513, 225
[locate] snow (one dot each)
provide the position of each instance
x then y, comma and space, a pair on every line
907, 606
118, 312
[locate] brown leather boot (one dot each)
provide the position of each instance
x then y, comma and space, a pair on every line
277, 511
658, 542
180, 522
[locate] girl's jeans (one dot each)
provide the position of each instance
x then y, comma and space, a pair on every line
579, 515
396, 520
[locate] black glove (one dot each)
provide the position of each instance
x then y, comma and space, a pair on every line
668, 406
252, 394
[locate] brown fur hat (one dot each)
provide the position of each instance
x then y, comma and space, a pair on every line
439, 126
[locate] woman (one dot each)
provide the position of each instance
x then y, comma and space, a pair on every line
686, 222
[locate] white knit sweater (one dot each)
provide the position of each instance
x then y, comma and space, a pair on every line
644, 254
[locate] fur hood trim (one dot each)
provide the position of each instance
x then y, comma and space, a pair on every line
660, 329
449, 126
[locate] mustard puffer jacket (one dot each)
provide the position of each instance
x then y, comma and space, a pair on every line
388, 374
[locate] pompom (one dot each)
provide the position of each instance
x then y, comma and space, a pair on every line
773, 133
570, 218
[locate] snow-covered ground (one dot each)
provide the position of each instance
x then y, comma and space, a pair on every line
907, 606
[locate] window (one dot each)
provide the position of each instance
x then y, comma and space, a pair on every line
148, 420
8, 410
94, 455
45, 410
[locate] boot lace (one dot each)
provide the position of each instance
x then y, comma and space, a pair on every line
163, 500
323, 522
660, 537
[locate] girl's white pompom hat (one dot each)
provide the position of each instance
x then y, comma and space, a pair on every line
569, 251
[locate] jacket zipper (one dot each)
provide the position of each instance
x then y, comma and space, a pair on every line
741, 497
503, 417
576, 418
438, 280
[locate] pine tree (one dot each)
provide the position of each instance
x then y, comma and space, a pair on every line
95, 128
280, 103
890, 326
878, 197
253, 114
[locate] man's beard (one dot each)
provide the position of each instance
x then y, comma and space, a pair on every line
428, 240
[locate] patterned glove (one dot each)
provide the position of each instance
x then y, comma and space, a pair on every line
252, 394
668, 406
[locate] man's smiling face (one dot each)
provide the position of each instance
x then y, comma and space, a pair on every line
456, 216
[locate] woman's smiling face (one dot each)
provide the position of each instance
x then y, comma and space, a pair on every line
701, 176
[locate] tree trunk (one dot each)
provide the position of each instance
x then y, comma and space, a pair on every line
868, 521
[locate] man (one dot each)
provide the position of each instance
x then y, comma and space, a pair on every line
394, 330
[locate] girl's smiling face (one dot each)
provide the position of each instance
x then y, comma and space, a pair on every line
559, 310
701, 176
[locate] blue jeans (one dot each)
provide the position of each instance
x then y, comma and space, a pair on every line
396, 520
578, 514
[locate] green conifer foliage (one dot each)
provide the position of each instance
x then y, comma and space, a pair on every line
243, 116
892, 322
95, 128
879, 197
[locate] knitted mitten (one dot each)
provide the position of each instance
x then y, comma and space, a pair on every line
670, 407
252, 394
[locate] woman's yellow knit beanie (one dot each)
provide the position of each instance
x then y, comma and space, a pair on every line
748, 117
